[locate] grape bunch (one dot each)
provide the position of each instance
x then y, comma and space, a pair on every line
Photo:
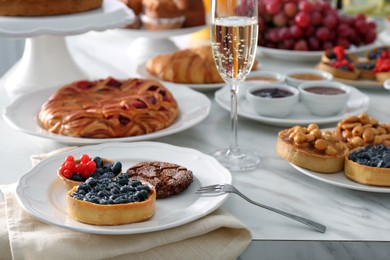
311, 25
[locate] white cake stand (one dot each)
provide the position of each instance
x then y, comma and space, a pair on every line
149, 43
46, 60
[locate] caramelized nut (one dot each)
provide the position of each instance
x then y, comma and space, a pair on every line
377, 140
357, 130
330, 150
316, 132
356, 141
368, 135
320, 144
300, 138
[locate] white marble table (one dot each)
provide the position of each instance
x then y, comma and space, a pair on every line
358, 222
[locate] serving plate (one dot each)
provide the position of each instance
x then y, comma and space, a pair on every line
159, 33
112, 14
308, 55
357, 103
366, 84
42, 194
339, 179
22, 114
142, 71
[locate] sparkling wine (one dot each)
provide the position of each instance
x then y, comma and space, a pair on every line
234, 42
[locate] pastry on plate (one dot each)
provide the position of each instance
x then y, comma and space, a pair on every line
312, 148
362, 130
194, 12
108, 202
161, 15
109, 108
192, 65
46, 7
369, 165
168, 178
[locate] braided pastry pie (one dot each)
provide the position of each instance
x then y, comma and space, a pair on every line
109, 108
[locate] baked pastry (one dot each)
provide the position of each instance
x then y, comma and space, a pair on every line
191, 66
366, 70
73, 172
376, 52
136, 6
194, 12
312, 149
168, 178
109, 108
382, 66
121, 202
369, 165
161, 15
362, 130
46, 7
339, 64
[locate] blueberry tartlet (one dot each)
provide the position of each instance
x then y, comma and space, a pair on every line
73, 172
369, 165
107, 202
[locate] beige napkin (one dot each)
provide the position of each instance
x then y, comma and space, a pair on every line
218, 235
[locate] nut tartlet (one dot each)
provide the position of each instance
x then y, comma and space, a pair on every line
362, 130
126, 202
312, 148
369, 165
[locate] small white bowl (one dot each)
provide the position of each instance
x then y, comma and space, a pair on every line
298, 76
278, 107
266, 76
386, 84
324, 104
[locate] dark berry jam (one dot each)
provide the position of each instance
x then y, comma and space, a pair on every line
272, 93
325, 90
374, 156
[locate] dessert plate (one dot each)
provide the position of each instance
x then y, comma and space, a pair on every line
141, 70
339, 179
159, 33
42, 194
367, 84
357, 103
307, 55
112, 14
22, 114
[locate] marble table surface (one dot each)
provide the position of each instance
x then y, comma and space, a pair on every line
358, 222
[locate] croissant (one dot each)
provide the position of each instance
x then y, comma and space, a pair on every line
192, 66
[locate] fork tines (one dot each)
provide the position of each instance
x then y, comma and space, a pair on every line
210, 188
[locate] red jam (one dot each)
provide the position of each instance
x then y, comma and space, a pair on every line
325, 90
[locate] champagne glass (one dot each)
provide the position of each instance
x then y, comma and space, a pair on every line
234, 30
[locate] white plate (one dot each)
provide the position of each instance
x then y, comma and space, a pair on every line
308, 55
339, 179
357, 103
42, 194
160, 33
141, 70
112, 14
22, 113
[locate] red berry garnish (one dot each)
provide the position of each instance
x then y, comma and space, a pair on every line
80, 168
69, 158
62, 169
85, 174
68, 173
85, 158
70, 166
91, 166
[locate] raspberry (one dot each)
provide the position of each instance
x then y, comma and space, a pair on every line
68, 173
85, 158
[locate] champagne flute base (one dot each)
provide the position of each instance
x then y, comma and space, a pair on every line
237, 160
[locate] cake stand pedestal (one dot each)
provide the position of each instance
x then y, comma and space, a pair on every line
46, 62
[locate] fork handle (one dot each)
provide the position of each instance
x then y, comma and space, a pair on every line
317, 226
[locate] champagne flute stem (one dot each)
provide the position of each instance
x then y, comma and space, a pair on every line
233, 119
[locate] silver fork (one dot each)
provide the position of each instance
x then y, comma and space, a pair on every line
227, 188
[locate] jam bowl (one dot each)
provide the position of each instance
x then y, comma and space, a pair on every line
298, 76
324, 98
271, 99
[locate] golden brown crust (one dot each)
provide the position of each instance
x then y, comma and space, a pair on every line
46, 7
193, 66
194, 11
161, 9
115, 214
305, 155
366, 174
338, 73
109, 108
382, 76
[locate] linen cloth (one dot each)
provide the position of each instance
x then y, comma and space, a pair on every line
218, 235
